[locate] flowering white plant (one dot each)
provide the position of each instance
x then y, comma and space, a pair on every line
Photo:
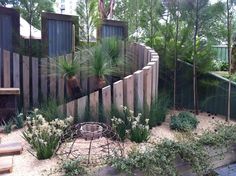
44, 136
132, 126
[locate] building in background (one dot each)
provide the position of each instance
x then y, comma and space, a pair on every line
67, 7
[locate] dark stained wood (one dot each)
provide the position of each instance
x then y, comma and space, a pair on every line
6, 69
16, 70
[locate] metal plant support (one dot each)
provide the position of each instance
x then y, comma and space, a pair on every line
91, 141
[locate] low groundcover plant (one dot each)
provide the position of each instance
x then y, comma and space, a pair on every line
44, 136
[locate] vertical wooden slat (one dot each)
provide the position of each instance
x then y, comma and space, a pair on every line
81, 106
43, 77
16, 70
145, 57
106, 98
138, 90
94, 103
52, 78
156, 60
149, 49
147, 85
61, 109
129, 91
118, 94
136, 49
35, 81
70, 108
153, 65
26, 86
141, 56
61, 84
6, 69
69, 59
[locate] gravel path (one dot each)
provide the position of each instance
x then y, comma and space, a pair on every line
27, 165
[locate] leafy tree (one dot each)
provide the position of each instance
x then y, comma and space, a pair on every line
88, 18
31, 10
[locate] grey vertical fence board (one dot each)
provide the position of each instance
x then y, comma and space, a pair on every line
52, 78
70, 108
136, 52
61, 84
118, 94
35, 81
154, 78
145, 57
16, 70
141, 56
147, 86
94, 103
6, 69
156, 60
26, 86
81, 107
129, 91
106, 99
138, 90
43, 77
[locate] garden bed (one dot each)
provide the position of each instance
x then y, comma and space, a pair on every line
26, 164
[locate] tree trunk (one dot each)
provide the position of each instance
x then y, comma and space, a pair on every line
229, 60
176, 53
194, 60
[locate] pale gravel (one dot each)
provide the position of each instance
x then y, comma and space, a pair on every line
27, 165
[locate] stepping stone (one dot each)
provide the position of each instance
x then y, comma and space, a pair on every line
11, 149
6, 165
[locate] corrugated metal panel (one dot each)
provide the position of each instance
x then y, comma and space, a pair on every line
59, 37
6, 32
112, 31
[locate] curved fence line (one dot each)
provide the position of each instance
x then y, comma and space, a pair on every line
134, 91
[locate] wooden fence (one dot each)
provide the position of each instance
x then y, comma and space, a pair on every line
132, 91
38, 81
32, 76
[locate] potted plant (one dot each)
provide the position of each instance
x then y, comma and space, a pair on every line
99, 65
69, 69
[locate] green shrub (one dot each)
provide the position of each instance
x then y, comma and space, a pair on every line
73, 168
50, 111
44, 136
185, 121
19, 120
158, 110
7, 126
222, 136
160, 158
